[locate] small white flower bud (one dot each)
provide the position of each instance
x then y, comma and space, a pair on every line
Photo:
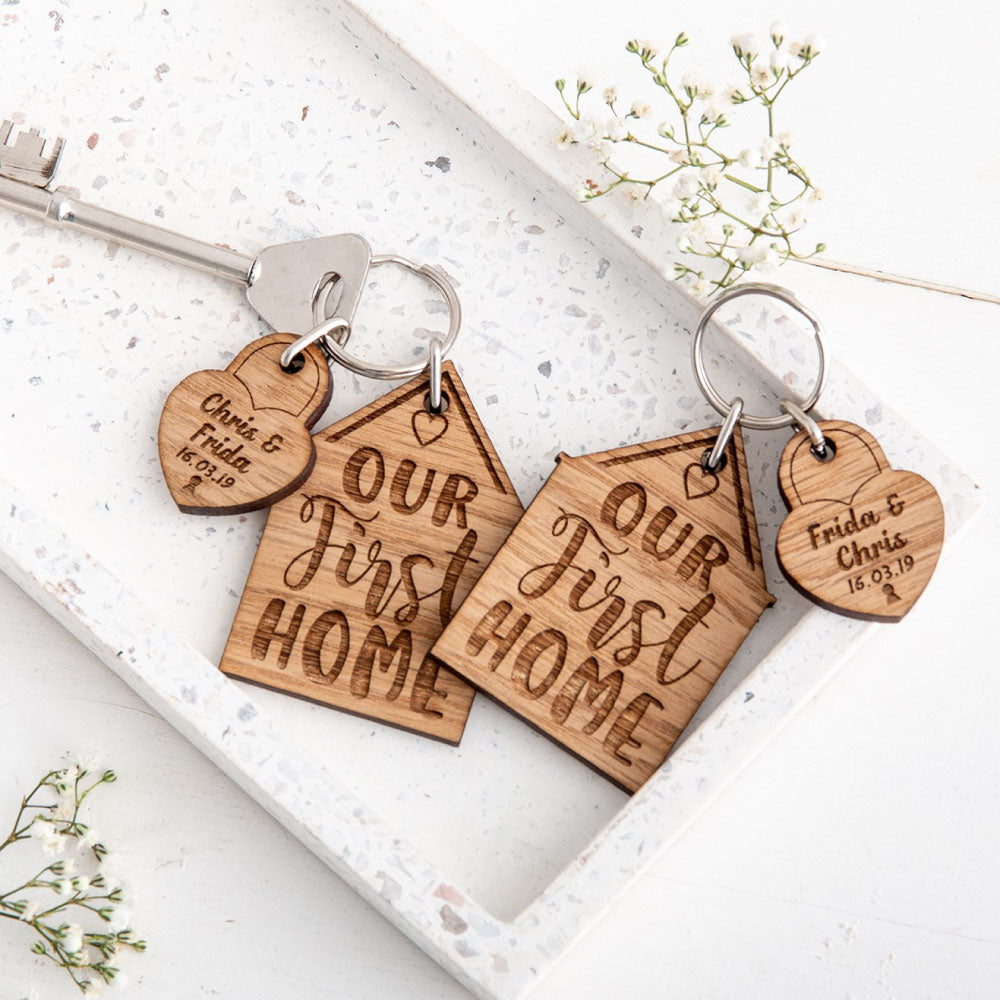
686, 187
710, 177
769, 260
72, 939
714, 111
747, 46
585, 129
701, 288
120, 920
769, 148
616, 129
808, 48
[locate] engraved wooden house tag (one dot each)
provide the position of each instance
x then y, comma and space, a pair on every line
362, 567
238, 440
861, 538
617, 601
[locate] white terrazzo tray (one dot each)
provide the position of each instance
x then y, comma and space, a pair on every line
494, 856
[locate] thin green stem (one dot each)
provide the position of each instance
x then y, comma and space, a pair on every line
770, 134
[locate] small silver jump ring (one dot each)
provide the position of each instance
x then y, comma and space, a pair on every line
435, 371
725, 434
436, 278
322, 333
701, 373
803, 420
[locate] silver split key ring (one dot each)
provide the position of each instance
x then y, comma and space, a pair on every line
331, 334
436, 357
803, 420
732, 410
328, 328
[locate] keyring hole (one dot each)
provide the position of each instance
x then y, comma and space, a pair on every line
826, 455
295, 365
708, 469
443, 408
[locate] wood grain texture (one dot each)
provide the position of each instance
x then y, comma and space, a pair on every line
861, 538
360, 570
617, 601
238, 440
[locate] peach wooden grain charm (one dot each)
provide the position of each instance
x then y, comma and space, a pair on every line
237, 440
861, 538
362, 567
618, 599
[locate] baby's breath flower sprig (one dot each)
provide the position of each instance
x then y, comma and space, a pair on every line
52, 900
739, 209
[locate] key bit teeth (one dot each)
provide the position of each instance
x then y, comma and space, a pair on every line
26, 159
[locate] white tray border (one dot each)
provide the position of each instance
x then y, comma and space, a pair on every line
495, 959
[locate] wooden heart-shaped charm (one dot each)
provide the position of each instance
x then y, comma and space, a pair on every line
861, 538
238, 440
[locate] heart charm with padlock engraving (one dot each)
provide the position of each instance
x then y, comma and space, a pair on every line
861, 538
237, 440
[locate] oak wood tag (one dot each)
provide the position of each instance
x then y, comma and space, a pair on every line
617, 601
361, 568
861, 538
237, 440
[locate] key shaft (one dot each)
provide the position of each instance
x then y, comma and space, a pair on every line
62, 209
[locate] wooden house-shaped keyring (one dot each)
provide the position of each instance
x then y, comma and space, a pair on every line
617, 600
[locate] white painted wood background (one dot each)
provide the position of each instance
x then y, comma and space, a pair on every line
856, 857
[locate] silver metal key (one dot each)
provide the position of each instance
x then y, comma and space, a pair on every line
293, 286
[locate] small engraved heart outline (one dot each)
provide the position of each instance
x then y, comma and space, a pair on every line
425, 437
705, 474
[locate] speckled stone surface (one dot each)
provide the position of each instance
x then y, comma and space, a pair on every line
254, 124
